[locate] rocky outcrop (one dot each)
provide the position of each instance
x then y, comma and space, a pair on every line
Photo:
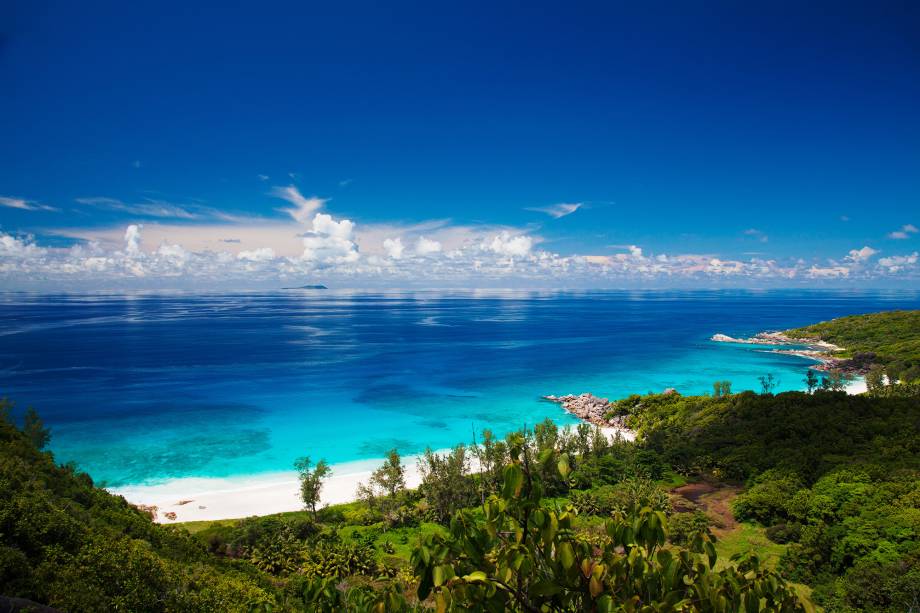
149, 510
589, 408
777, 338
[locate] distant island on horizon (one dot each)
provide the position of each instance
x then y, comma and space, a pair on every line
307, 287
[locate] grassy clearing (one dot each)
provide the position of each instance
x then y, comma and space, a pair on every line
745, 538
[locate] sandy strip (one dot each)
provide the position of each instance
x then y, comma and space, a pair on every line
208, 498
244, 496
857, 386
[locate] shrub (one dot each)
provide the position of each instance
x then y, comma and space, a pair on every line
768, 499
337, 559
683, 526
784, 533
610, 499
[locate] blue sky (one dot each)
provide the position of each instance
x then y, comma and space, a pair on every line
781, 142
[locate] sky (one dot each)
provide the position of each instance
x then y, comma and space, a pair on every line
475, 144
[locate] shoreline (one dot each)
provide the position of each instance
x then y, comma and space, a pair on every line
821, 352
217, 498
236, 497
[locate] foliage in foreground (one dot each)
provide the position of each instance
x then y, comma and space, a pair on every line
526, 556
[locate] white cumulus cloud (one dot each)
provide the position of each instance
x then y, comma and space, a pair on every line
897, 263
12, 247
330, 242
133, 239
506, 244
426, 246
861, 255
393, 247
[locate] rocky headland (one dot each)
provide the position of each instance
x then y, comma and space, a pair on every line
820, 351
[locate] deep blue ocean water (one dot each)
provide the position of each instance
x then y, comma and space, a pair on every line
143, 387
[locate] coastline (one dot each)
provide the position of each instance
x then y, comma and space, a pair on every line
214, 498
814, 349
211, 498
821, 352
217, 498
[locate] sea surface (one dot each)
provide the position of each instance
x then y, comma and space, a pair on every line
145, 387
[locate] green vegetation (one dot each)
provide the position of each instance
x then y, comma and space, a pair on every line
311, 480
891, 338
728, 502
525, 555
68, 544
558, 520
721, 388
834, 477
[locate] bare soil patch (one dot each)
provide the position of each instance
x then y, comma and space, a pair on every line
712, 498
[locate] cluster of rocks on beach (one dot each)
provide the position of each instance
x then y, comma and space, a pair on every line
589, 408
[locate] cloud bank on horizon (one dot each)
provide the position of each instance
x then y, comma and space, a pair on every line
194, 247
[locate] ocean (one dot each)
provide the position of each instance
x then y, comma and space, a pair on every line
142, 388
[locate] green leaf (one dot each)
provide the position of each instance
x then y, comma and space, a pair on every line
566, 555
442, 573
424, 586
564, 468
514, 481
476, 577
539, 517
604, 604
710, 553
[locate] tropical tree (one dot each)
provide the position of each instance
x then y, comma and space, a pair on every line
311, 480
767, 383
837, 380
446, 482
875, 379
491, 455
391, 477
34, 428
811, 380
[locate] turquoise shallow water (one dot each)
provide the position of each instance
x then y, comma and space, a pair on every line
139, 388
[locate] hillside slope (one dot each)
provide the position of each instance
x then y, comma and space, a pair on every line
75, 547
891, 335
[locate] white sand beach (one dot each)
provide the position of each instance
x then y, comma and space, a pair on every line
209, 498
194, 498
